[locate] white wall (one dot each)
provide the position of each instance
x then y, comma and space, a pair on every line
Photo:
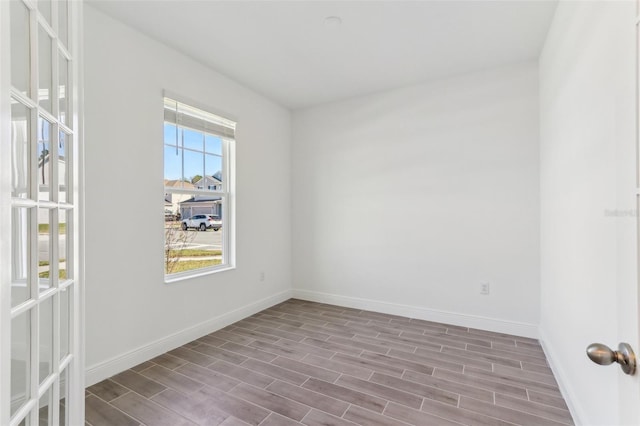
588, 275
128, 306
405, 201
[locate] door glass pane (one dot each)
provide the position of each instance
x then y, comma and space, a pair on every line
44, 249
44, 7
65, 315
20, 47
63, 167
45, 410
64, 257
44, 69
63, 89
44, 163
20, 356
63, 22
20, 131
46, 338
20, 243
64, 380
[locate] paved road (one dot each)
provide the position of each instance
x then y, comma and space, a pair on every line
205, 240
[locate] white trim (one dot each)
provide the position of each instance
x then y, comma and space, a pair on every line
106, 369
453, 318
573, 403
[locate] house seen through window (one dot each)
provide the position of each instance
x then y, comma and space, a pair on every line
197, 208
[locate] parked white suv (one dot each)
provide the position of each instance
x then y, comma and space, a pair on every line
201, 222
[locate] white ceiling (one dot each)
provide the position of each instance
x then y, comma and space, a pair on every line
284, 50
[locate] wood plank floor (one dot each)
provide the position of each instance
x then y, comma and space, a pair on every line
315, 364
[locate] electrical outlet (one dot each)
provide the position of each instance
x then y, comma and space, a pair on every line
484, 287
262, 276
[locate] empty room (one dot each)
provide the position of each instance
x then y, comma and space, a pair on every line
278, 213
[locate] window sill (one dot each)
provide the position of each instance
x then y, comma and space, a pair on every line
201, 273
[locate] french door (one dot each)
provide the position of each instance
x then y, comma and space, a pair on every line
41, 361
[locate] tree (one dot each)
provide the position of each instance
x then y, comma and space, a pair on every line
196, 178
175, 241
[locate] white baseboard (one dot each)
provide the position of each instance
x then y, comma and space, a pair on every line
576, 410
453, 318
97, 373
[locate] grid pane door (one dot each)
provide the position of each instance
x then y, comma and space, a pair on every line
39, 270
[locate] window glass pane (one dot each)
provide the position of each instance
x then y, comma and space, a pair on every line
213, 144
196, 241
213, 171
20, 357
63, 22
46, 338
63, 166
20, 243
63, 89
44, 249
65, 306
64, 256
44, 163
44, 68
193, 166
172, 165
20, 47
20, 131
193, 140
172, 135
45, 412
44, 7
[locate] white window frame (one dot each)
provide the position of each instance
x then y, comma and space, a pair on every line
226, 192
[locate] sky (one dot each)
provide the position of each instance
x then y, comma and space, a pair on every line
206, 162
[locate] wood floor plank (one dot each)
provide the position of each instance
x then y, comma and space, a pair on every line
364, 400
320, 418
361, 416
207, 377
239, 408
138, 383
172, 379
275, 371
310, 398
506, 414
271, 401
101, 413
388, 393
108, 390
240, 373
415, 417
202, 411
429, 381
339, 367
148, 412
306, 369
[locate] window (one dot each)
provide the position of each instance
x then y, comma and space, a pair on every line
198, 176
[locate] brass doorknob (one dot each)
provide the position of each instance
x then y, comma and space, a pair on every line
603, 355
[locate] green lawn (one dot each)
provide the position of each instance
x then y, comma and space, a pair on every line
189, 265
194, 253
43, 228
62, 274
